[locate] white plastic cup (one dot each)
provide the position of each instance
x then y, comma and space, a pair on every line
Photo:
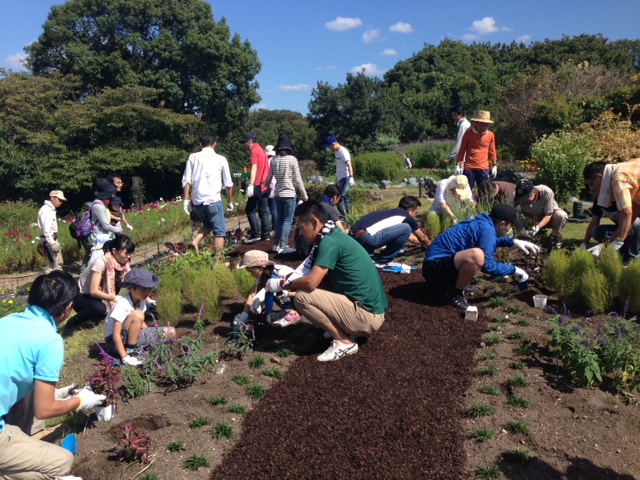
540, 301
471, 313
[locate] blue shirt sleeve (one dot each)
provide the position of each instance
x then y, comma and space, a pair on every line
488, 242
49, 361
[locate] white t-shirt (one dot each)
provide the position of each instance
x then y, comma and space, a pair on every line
207, 173
342, 158
120, 311
441, 195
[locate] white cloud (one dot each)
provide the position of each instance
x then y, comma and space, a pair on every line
342, 24
401, 27
487, 25
322, 69
16, 61
370, 35
524, 39
300, 87
469, 37
369, 69
390, 52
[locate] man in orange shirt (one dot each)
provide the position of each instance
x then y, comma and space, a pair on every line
477, 157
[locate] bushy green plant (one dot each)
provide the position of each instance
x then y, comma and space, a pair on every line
610, 264
244, 281
428, 154
222, 430
224, 280
378, 166
581, 264
169, 299
629, 287
194, 462
432, 225
596, 292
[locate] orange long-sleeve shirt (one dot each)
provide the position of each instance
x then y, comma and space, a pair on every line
479, 150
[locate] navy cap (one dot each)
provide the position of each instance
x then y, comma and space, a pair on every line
139, 277
248, 136
506, 213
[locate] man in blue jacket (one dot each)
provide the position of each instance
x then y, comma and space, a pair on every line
456, 256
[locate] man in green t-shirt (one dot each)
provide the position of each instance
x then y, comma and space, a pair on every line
355, 307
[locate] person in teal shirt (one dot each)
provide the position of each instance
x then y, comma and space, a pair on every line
355, 307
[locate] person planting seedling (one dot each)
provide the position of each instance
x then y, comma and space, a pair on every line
125, 330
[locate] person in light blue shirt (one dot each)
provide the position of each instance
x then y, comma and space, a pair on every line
31, 358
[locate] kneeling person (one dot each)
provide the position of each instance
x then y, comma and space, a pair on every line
456, 256
125, 330
355, 307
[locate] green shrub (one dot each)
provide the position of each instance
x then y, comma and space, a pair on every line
610, 264
428, 154
581, 264
629, 289
432, 225
169, 299
244, 281
224, 280
554, 270
378, 166
598, 296
561, 158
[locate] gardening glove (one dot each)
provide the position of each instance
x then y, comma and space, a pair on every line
595, 251
187, 206
241, 318
459, 169
64, 393
229, 207
300, 202
55, 247
494, 171
352, 182
455, 221
583, 246
534, 231
250, 191
258, 301
520, 275
273, 285
131, 361
526, 247
617, 243
88, 399
130, 227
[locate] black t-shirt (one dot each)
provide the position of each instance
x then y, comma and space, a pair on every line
610, 212
376, 221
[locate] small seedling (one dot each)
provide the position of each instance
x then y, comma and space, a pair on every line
515, 336
518, 428
176, 446
488, 471
284, 353
496, 302
517, 365
480, 410
255, 392
493, 339
501, 319
151, 476
198, 423
523, 322
237, 408
488, 356
518, 455
257, 362
494, 328
491, 371
218, 401
491, 390
273, 372
134, 444
513, 309
194, 462
518, 381
241, 380
518, 402
482, 434
522, 350
222, 430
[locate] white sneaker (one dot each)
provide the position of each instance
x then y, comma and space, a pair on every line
287, 250
276, 249
68, 477
337, 351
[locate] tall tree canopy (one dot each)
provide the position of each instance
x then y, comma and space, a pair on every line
174, 46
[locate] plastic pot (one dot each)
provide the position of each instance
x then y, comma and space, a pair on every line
105, 414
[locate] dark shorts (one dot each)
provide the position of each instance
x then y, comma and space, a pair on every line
148, 336
441, 273
212, 217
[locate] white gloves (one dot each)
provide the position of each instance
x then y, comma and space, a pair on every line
187, 206
535, 230
520, 275
131, 361
583, 246
455, 221
241, 318
55, 247
258, 301
617, 244
273, 285
130, 227
229, 206
595, 251
526, 247
459, 169
64, 393
89, 400
250, 189
300, 202
494, 171
352, 182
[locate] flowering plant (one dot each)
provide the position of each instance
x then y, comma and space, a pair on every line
105, 381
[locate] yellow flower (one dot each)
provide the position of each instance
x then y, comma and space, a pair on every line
4, 301
10, 302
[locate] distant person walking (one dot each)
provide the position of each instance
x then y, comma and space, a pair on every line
102, 231
257, 192
49, 247
457, 113
271, 152
477, 157
344, 173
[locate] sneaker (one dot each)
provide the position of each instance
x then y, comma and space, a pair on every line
379, 265
250, 240
337, 351
456, 300
289, 319
276, 249
287, 250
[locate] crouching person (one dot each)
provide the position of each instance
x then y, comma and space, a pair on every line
355, 307
31, 358
125, 331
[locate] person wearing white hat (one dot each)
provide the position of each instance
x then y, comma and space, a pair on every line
49, 247
477, 157
450, 195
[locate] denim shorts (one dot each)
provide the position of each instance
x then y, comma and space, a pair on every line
212, 217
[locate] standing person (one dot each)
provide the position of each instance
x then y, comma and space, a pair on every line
207, 172
616, 184
116, 181
391, 229
457, 113
458, 254
271, 152
257, 192
285, 168
451, 194
539, 203
477, 158
49, 247
31, 358
355, 307
102, 231
344, 173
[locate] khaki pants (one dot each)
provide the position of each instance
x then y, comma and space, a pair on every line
21, 415
23, 458
322, 307
558, 220
53, 260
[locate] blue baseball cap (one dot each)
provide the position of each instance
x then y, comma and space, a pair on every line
329, 141
139, 277
248, 136
115, 200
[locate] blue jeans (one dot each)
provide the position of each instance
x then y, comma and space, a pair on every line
285, 208
259, 202
479, 176
630, 247
344, 206
212, 217
274, 213
394, 237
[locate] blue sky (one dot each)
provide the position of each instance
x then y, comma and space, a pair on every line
302, 42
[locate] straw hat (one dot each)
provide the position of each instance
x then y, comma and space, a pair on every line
484, 116
460, 184
255, 258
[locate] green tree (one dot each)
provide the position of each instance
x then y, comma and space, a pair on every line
174, 46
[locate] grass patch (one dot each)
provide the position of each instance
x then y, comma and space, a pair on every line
491, 371
494, 328
237, 408
480, 410
218, 401
522, 350
241, 380
273, 372
75, 349
515, 336
523, 322
222, 430
517, 365
518, 381
488, 356
492, 339
513, 309
518, 402
519, 455
151, 476
482, 434
176, 446
255, 392
489, 472
284, 353
198, 423
257, 362
491, 390
518, 428
496, 302
501, 319
194, 462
